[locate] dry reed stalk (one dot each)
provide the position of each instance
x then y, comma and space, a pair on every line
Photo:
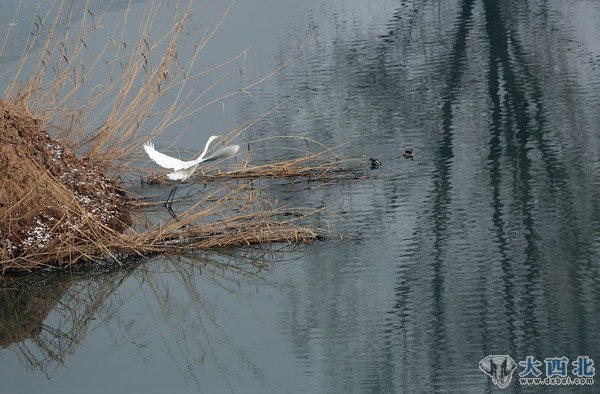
134, 77
313, 167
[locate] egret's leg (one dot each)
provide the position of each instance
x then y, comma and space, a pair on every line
172, 213
173, 195
166, 204
169, 200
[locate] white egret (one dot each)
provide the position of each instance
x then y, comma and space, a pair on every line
184, 169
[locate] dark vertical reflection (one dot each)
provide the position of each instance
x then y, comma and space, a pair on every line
517, 126
523, 131
570, 229
515, 133
442, 187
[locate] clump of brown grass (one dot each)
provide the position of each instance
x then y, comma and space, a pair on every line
47, 191
48, 225
104, 123
223, 218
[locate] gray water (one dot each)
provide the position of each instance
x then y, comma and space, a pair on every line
486, 243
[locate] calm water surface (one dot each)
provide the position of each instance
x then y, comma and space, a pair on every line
486, 243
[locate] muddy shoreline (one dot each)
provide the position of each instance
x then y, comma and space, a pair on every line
47, 190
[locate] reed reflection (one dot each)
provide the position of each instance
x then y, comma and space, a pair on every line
45, 318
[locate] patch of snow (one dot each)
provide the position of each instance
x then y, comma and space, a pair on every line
56, 151
37, 236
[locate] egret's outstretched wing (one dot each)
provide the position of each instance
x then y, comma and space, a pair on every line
164, 160
223, 153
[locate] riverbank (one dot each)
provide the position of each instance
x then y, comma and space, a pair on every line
50, 197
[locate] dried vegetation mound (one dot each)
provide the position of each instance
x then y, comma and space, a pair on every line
47, 193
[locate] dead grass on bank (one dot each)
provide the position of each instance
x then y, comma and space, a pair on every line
105, 124
223, 218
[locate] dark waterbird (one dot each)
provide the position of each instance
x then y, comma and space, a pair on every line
375, 163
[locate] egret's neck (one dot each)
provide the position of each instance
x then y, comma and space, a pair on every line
203, 153
211, 139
